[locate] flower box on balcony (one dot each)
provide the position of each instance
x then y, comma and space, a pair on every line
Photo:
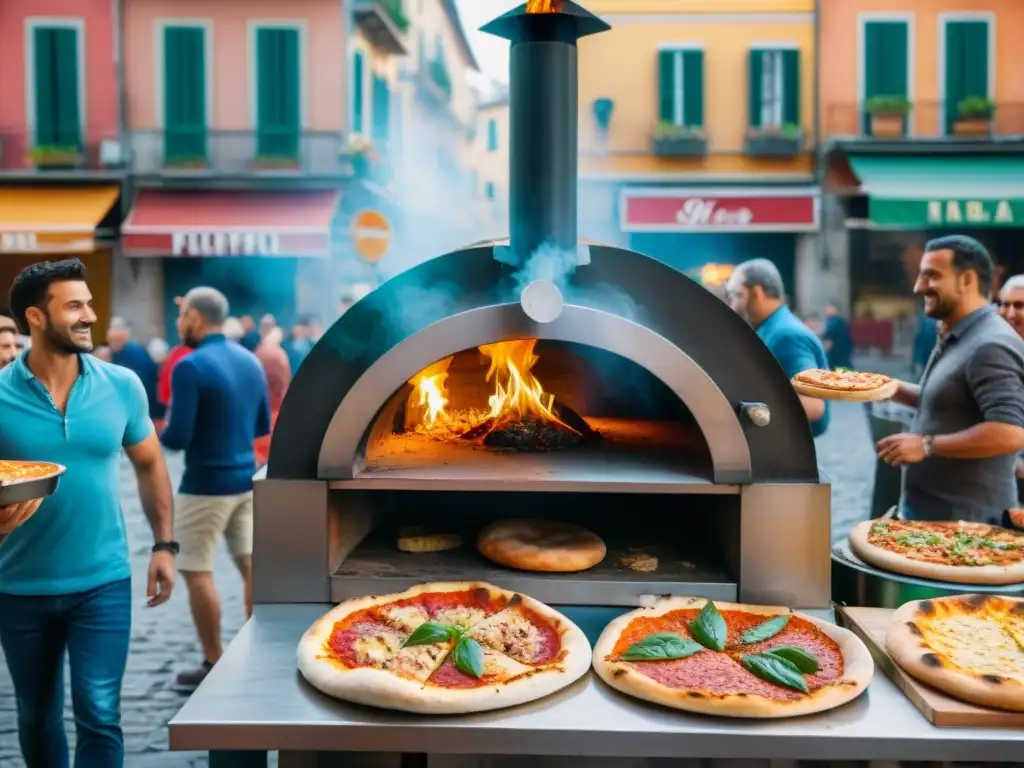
55, 157
275, 163
974, 117
888, 116
775, 141
186, 163
670, 140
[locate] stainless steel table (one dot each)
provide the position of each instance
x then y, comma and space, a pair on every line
255, 700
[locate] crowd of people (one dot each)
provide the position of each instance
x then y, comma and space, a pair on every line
64, 574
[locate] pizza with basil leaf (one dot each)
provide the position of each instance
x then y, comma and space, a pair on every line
732, 660
443, 648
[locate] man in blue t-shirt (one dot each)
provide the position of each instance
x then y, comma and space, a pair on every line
756, 293
64, 570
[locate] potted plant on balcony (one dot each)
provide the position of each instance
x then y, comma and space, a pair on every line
51, 156
185, 163
888, 115
671, 140
361, 155
774, 141
603, 109
974, 116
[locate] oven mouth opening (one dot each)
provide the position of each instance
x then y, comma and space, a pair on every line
534, 406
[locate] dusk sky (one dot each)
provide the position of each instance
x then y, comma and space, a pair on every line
491, 52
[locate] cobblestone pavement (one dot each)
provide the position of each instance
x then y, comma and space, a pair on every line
163, 639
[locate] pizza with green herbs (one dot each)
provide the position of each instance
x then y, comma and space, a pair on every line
957, 552
732, 660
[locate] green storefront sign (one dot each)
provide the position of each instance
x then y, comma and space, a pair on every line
922, 213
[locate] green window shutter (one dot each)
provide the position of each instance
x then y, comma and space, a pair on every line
966, 65
975, 58
885, 64
755, 69
184, 94
693, 88
55, 61
492, 135
277, 92
357, 92
791, 87
666, 86
381, 108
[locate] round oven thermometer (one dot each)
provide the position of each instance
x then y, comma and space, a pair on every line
542, 301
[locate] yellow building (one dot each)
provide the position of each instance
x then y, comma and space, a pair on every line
697, 133
490, 165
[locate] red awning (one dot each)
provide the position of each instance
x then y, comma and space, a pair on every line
230, 224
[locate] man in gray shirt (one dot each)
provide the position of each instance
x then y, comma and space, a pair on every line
958, 459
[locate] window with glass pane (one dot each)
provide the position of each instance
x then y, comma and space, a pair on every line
681, 84
771, 89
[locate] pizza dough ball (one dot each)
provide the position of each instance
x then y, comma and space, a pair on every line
541, 545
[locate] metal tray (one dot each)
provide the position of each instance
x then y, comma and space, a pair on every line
854, 582
34, 488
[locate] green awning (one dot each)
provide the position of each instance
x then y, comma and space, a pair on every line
921, 192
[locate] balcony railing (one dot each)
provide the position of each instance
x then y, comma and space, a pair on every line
921, 120
239, 153
384, 22
20, 153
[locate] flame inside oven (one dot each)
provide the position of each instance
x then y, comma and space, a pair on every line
518, 403
544, 6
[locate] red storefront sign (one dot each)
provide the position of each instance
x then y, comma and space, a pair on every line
673, 210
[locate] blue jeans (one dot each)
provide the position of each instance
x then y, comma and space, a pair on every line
94, 628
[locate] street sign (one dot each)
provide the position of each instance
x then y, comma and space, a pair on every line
371, 234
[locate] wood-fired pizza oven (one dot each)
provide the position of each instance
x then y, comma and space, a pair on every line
674, 432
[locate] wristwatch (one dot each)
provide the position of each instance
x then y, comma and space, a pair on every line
167, 546
928, 444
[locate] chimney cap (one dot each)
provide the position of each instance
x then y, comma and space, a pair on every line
516, 25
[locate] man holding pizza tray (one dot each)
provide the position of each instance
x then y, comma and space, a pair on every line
65, 576
958, 457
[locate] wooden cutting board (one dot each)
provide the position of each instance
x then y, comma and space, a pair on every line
870, 625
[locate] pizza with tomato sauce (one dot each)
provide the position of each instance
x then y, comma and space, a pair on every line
443, 648
953, 551
732, 660
22, 471
968, 646
845, 385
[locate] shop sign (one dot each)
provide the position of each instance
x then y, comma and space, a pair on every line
222, 243
18, 242
46, 242
371, 235
949, 212
645, 210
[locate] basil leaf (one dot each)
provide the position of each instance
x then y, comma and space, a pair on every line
709, 628
469, 657
775, 670
429, 633
798, 657
764, 630
661, 646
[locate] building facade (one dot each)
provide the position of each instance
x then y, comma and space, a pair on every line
922, 115
697, 134
61, 160
490, 168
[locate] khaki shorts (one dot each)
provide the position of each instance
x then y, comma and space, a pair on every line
199, 523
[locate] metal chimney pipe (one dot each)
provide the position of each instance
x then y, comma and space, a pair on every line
543, 124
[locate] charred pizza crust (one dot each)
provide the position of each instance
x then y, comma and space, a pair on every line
858, 669
541, 545
897, 562
850, 386
379, 687
968, 646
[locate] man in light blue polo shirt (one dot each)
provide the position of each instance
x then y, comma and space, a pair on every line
64, 571
756, 293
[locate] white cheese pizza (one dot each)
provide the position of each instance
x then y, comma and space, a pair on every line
845, 385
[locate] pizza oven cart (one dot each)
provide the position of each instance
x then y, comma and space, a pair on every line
706, 464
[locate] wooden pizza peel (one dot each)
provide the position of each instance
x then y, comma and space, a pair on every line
870, 625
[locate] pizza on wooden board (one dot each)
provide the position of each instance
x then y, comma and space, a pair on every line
541, 545
443, 648
844, 385
957, 552
731, 659
22, 471
968, 646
